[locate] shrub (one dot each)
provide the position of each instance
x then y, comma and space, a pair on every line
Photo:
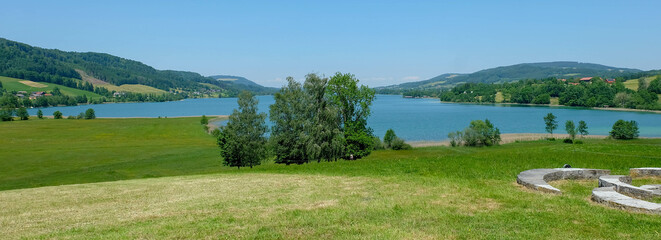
567, 140
455, 138
71, 117
578, 142
377, 145
7, 114
399, 144
389, 137
57, 115
40, 114
481, 133
90, 114
624, 129
215, 133
204, 120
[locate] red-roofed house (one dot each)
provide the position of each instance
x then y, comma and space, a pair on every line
585, 79
574, 83
610, 80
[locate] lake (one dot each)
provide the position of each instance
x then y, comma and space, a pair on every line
412, 119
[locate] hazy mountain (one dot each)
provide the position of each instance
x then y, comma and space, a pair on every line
518, 72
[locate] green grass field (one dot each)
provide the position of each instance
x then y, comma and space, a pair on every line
632, 84
52, 152
425, 193
13, 84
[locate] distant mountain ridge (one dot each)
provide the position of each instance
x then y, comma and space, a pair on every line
560, 69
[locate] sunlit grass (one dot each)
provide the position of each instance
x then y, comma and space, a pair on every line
424, 193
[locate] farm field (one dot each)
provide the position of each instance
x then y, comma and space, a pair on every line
53, 152
14, 84
433, 192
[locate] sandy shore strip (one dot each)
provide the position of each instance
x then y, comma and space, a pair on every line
564, 106
507, 138
627, 110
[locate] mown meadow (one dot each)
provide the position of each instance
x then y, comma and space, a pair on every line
59, 181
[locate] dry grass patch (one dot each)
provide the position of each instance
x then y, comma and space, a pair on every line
33, 84
50, 211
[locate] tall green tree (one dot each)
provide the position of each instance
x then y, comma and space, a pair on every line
583, 128
242, 141
354, 104
290, 136
22, 113
40, 114
571, 129
551, 123
327, 138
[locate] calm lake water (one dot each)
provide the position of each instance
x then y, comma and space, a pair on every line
412, 119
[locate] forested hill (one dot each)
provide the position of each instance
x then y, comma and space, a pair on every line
23, 61
245, 83
517, 72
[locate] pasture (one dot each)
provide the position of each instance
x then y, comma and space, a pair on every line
173, 186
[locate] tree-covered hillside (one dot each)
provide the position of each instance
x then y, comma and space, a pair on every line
244, 83
596, 92
514, 73
23, 61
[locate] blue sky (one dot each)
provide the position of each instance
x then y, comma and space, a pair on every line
381, 42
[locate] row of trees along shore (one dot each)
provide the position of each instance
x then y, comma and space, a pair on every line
320, 120
594, 93
57, 98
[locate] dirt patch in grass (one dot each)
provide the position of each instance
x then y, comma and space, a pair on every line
87, 78
33, 84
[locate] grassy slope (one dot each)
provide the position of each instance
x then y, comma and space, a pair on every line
13, 84
52, 152
632, 84
135, 88
435, 192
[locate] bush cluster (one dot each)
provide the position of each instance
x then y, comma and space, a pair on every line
624, 129
478, 133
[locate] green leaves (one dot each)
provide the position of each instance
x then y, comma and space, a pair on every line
551, 123
624, 129
570, 128
242, 141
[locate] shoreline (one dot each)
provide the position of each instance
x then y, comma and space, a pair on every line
208, 116
512, 137
557, 105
